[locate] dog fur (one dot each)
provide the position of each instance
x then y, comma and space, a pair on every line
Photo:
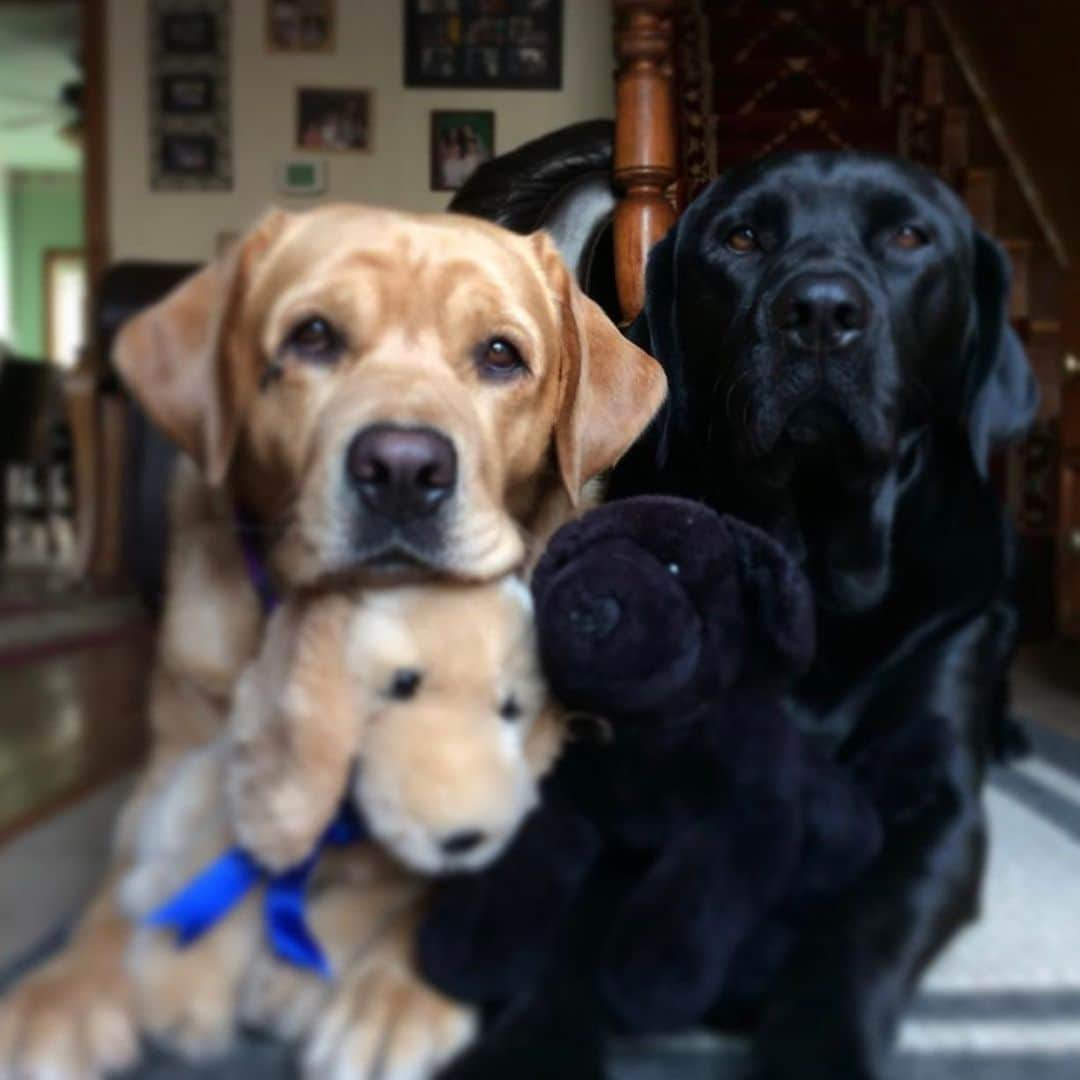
413, 297
323, 701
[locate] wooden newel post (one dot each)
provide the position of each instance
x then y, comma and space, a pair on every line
644, 139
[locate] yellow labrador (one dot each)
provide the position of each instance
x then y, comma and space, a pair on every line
384, 395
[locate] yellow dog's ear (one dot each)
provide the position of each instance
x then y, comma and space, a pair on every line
609, 389
187, 362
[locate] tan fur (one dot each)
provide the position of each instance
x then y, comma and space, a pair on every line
316, 699
414, 292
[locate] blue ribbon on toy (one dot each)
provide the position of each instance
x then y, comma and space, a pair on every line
206, 900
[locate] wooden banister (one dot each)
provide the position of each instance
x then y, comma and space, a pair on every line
645, 144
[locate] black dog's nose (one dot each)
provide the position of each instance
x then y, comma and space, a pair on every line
461, 842
402, 473
821, 311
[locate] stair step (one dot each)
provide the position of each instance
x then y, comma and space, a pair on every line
939, 138
797, 82
751, 135
978, 187
937, 80
1019, 252
921, 32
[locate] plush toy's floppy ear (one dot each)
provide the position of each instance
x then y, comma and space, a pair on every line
777, 604
294, 732
1002, 396
187, 360
609, 389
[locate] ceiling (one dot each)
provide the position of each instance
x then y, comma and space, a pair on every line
39, 43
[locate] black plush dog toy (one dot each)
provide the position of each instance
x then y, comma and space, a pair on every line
679, 628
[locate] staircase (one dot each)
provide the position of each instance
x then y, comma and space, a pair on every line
881, 75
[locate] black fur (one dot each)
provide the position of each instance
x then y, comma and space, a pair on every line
870, 464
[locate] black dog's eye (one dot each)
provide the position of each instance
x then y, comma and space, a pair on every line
510, 709
909, 238
405, 683
499, 359
742, 240
315, 339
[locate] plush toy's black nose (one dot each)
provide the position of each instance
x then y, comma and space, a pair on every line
596, 616
821, 311
460, 843
401, 473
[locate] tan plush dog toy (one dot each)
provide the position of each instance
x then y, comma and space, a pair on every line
423, 706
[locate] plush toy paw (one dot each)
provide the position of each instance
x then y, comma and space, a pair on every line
72, 1020
280, 998
186, 1002
383, 1023
488, 936
667, 957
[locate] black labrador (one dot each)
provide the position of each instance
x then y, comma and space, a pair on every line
836, 337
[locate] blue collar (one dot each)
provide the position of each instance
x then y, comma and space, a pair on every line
250, 533
215, 891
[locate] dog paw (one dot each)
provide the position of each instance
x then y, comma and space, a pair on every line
72, 1020
281, 999
384, 1023
187, 998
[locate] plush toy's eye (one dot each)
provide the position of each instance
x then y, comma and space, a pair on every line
510, 709
405, 683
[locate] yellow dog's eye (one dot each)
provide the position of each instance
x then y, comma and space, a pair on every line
315, 339
498, 358
510, 709
909, 238
742, 240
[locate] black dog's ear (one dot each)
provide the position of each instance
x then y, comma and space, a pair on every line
1002, 396
778, 607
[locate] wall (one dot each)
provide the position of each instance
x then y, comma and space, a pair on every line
182, 226
46, 212
1027, 59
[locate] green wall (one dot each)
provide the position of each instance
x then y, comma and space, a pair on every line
45, 212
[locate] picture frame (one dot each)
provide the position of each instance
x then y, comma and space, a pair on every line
300, 26
190, 109
493, 44
461, 140
188, 33
301, 177
183, 94
192, 156
334, 120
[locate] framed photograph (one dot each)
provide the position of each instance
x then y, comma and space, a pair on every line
302, 177
506, 44
190, 113
185, 94
460, 141
335, 121
300, 25
188, 33
192, 156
